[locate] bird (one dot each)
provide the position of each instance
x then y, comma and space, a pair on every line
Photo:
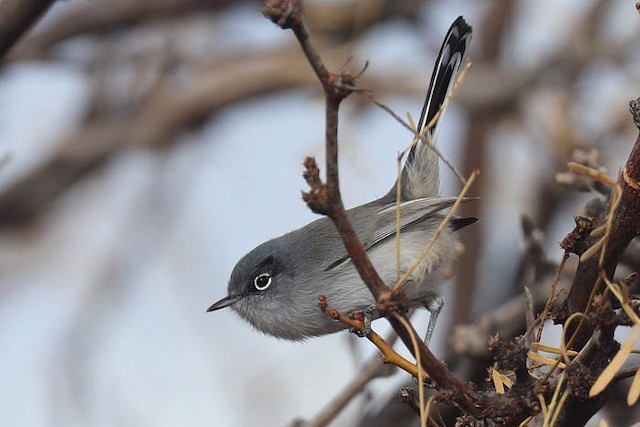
275, 287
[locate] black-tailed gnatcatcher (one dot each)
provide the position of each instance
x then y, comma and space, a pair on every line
275, 287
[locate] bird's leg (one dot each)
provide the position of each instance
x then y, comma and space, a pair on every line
367, 315
434, 308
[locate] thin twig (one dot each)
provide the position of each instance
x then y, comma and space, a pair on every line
543, 316
390, 356
418, 136
414, 341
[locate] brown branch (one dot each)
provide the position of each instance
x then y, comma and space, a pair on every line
623, 374
25, 199
610, 233
16, 18
582, 373
104, 16
325, 198
157, 120
408, 396
625, 227
506, 321
390, 356
372, 369
480, 122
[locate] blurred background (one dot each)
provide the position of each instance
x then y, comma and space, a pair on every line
146, 146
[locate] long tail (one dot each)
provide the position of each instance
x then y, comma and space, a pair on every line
420, 176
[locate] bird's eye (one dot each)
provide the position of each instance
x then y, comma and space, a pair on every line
262, 281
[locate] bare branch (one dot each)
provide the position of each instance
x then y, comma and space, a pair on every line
101, 17
157, 120
370, 370
625, 226
325, 198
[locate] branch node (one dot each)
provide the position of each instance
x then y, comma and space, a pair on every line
576, 242
511, 355
408, 396
284, 13
341, 84
392, 300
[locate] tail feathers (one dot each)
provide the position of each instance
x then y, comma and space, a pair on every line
420, 176
445, 72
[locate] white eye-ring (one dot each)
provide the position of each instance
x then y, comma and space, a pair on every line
262, 281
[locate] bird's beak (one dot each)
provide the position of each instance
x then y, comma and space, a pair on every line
225, 302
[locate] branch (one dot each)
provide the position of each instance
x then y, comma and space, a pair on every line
375, 367
625, 226
505, 321
157, 119
324, 198
102, 17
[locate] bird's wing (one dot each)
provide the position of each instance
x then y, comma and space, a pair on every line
411, 212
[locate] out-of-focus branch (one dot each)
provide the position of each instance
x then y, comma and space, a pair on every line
157, 120
508, 320
631, 257
370, 370
164, 113
505, 321
104, 16
16, 17
336, 19
575, 182
496, 24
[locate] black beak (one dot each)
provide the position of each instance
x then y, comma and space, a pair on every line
225, 302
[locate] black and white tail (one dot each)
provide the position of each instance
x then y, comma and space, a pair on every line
420, 176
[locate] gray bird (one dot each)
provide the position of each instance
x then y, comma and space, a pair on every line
275, 287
